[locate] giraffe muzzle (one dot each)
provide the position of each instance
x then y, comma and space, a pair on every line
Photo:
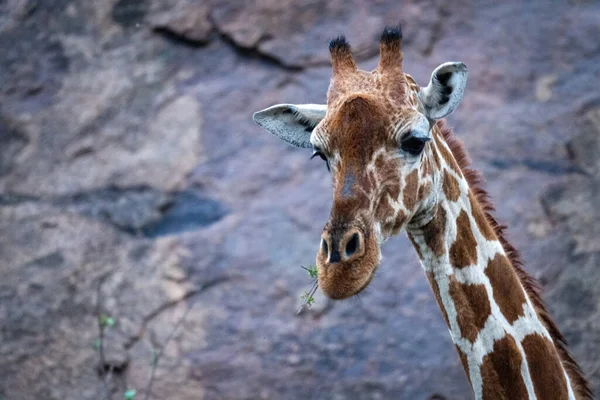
346, 261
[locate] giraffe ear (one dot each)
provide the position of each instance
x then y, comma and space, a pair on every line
445, 90
292, 123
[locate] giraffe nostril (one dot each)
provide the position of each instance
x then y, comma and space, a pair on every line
352, 245
324, 247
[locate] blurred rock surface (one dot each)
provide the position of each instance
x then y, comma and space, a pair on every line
134, 183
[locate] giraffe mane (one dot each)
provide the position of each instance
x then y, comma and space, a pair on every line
532, 287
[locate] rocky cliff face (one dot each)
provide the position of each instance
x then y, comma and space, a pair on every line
133, 183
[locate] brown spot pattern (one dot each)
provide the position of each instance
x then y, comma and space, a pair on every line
464, 361
436, 292
447, 156
384, 209
545, 368
463, 251
424, 191
501, 372
388, 227
399, 223
450, 186
394, 191
410, 189
416, 246
472, 307
436, 157
475, 181
426, 166
508, 292
434, 231
379, 163
482, 223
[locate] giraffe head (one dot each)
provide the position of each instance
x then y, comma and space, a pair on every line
374, 135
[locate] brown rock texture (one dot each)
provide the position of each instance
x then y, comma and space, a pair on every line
133, 183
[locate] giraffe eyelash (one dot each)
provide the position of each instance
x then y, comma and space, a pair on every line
318, 152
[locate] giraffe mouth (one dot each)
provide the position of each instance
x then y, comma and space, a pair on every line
369, 279
343, 287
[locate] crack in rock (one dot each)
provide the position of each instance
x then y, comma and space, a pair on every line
548, 167
170, 304
186, 23
182, 36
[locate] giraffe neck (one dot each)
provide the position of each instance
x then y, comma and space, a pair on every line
504, 346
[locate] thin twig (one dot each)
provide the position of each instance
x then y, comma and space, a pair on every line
179, 322
309, 295
155, 313
105, 376
158, 356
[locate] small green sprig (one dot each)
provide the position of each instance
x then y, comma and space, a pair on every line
97, 344
106, 321
308, 298
311, 269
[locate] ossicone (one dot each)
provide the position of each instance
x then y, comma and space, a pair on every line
392, 36
341, 55
390, 49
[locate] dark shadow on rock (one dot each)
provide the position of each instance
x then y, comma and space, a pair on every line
128, 13
129, 209
188, 211
11, 142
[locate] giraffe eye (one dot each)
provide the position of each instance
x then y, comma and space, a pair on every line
413, 145
318, 153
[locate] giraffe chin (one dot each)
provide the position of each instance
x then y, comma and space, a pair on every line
347, 278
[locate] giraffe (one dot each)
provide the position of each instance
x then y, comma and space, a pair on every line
396, 165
